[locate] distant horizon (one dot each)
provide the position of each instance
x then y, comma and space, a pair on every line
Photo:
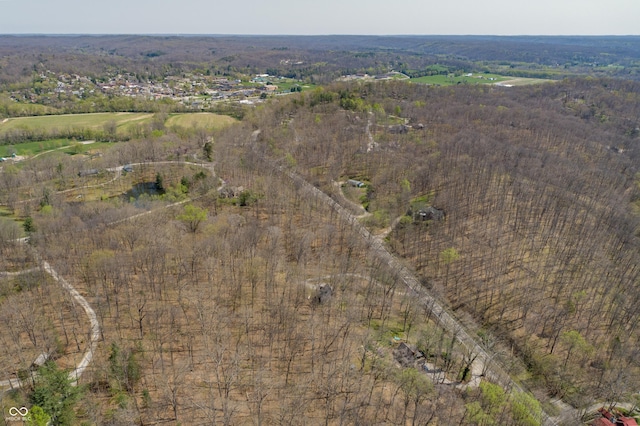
310, 35
329, 17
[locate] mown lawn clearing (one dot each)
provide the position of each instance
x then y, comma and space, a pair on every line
449, 80
72, 121
200, 119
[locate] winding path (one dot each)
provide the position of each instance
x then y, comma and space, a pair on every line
118, 173
377, 249
95, 330
95, 325
436, 374
91, 314
484, 359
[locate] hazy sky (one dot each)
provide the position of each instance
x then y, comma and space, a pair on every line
500, 17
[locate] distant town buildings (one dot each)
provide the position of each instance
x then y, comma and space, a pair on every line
195, 91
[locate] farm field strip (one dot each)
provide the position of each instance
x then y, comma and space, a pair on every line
200, 119
99, 119
91, 120
492, 79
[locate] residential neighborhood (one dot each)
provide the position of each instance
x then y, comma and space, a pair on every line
194, 91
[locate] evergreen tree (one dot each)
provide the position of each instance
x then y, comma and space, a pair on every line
56, 394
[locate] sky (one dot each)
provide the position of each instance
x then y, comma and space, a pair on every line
311, 17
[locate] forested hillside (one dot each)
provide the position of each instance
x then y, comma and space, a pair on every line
206, 281
540, 191
226, 289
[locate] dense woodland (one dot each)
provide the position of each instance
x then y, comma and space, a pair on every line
213, 318
207, 289
540, 190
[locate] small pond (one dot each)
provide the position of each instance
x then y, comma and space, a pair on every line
140, 189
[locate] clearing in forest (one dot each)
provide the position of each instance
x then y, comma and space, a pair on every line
201, 119
92, 121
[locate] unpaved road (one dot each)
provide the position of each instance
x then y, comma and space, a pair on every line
95, 325
435, 374
484, 360
91, 314
446, 320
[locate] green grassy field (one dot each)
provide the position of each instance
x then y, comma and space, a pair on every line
200, 119
123, 120
32, 148
23, 109
9, 218
285, 85
443, 80
66, 146
522, 81
91, 121
399, 76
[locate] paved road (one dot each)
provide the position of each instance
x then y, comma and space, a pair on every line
436, 374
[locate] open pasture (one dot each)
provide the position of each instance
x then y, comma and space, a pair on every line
72, 121
449, 80
205, 120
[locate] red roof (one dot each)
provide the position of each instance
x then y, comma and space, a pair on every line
602, 422
608, 419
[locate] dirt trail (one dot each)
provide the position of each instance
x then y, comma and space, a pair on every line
436, 374
439, 313
356, 206
95, 325
93, 319
372, 145
91, 314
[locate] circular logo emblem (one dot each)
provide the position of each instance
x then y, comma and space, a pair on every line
22, 411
